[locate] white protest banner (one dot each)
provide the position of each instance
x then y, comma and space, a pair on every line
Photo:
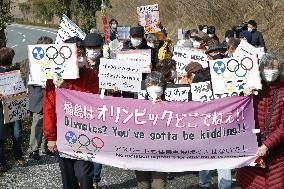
15, 108
11, 83
234, 74
68, 29
122, 74
123, 32
148, 17
246, 49
47, 61
177, 92
141, 57
183, 56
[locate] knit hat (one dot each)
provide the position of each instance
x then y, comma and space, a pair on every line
138, 31
193, 67
93, 40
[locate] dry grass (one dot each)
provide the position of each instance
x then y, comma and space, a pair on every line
223, 14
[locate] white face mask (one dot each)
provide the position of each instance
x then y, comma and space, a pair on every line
211, 35
227, 39
154, 92
204, 30
113, 26
93, 54
82, 61
195, 44
250, 29
152, 45
270, 75
136, 41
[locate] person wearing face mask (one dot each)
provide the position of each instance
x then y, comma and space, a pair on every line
228, 34
232, 45
203, 29
216, 52
137, 40
257, 37
269, 119
113, 23
75, 173
155, 84
94, 49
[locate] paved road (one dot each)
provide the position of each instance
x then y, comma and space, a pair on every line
19, 36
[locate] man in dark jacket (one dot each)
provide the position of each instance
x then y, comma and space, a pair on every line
257, 37
37, 141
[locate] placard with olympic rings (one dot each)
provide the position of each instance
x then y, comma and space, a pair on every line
52, 60
234, 74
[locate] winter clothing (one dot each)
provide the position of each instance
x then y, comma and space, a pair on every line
272, 176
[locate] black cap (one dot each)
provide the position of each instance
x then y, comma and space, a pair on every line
252, 22
219, 47
211, 30
93, 40
139, 30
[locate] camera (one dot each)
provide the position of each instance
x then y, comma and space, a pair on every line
240, 28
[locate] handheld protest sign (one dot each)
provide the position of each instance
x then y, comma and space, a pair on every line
68, 29
11, 83
15, 108
47, 60
141, 57
123, 75
234, 75
148, 17
123, 32
183, 56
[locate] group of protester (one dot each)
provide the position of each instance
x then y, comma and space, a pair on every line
268, 104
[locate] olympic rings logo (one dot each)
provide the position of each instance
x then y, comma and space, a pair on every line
85, 141
64, 53
240, 69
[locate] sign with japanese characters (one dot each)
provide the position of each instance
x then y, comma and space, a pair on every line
178, 92
15, 108
246, 49
165, 136
52, 60
123, 75
184, 56
68, 29
202, 92
142, 57
234, 75
148, 17
11, 83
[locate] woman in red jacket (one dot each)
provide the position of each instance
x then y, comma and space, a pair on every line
269, 118
75, 173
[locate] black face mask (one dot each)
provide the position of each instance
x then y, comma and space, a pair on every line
218, 56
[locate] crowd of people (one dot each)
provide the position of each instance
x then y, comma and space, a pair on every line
268, 104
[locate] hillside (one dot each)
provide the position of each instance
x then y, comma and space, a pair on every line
223, 14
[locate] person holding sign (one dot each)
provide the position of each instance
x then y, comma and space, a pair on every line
75, 173
269, 119
37, 141
256, 37
13, 128
155, 84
